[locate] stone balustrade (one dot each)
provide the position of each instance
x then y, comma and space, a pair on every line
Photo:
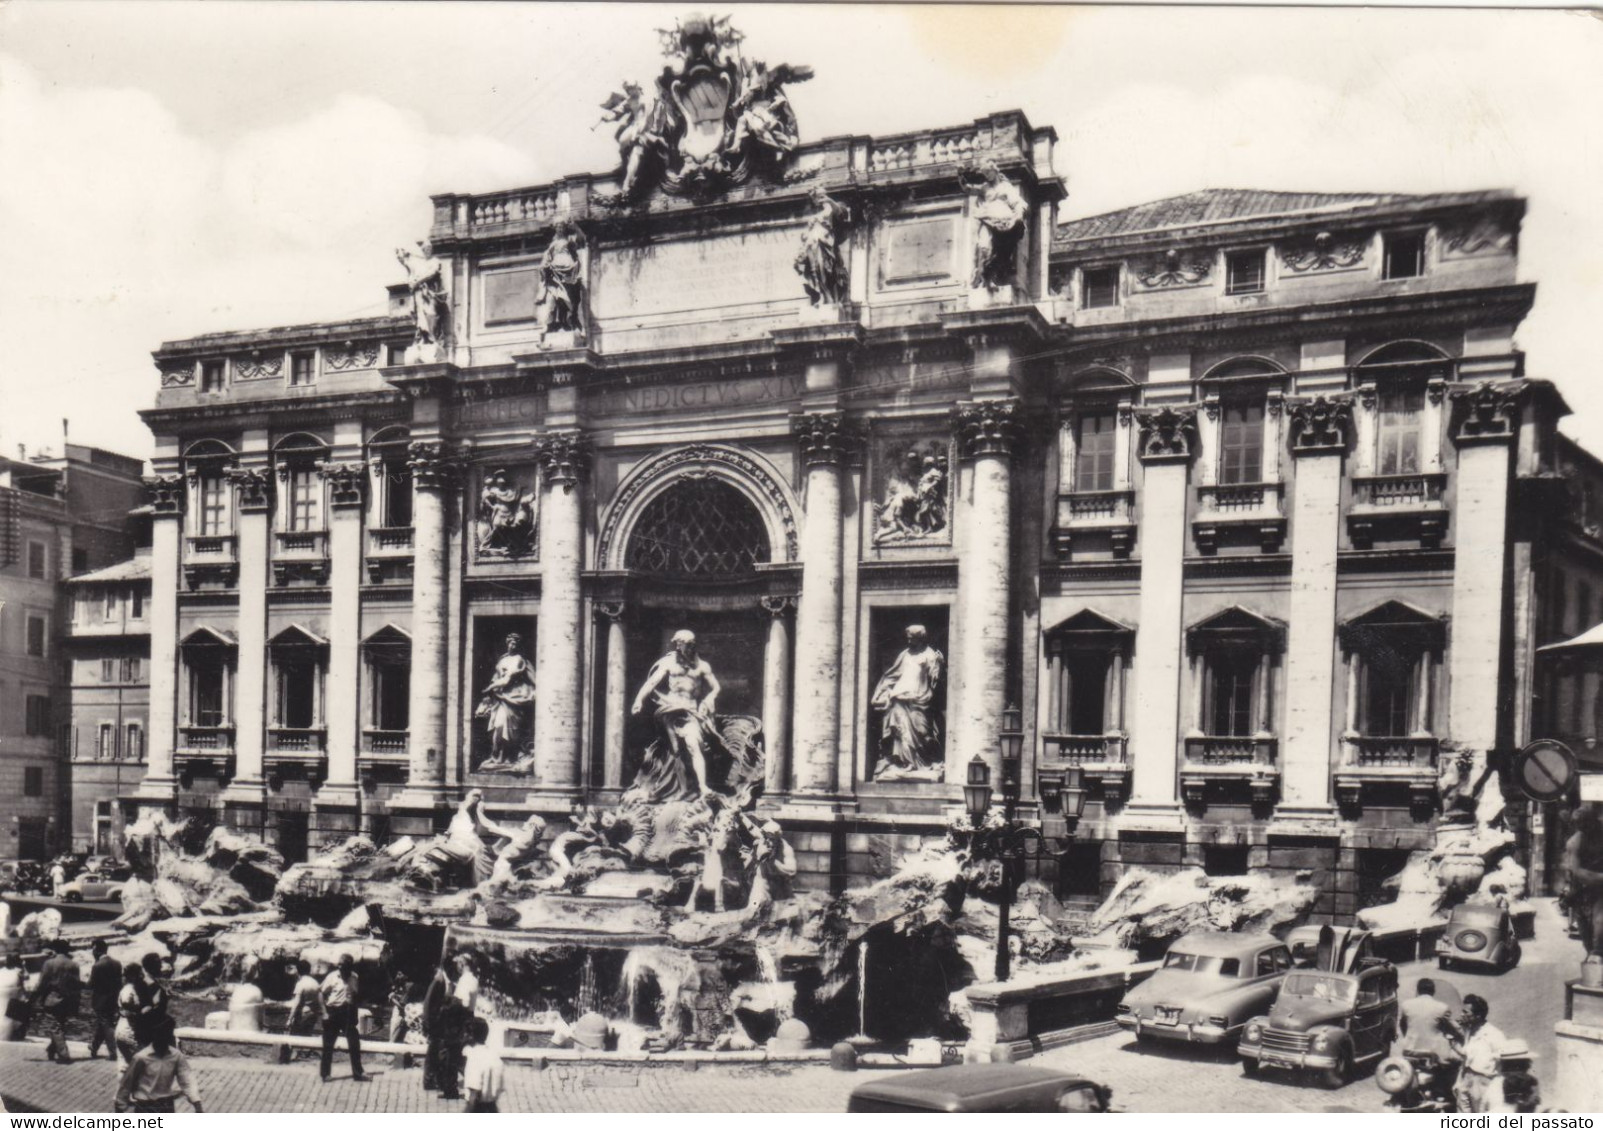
1399, 762
536, 206
379, 745
296, 740
1225, 759
1083, 512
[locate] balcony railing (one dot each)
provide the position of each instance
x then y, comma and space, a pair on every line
389, 540
1081, 749
1400, 492
1230, 750
207, 739
1230, 759
1240, 500
1111, 512
1392, 752
296, 740
1228, 512
301, 544
1398, 506
1389, 762
211, 547
384, 745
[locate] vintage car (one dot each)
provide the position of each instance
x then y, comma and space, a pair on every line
1478, 934
1326, 1021
90, 885
1210, 983
981, 1087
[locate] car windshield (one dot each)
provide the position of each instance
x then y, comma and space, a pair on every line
1327, 987
1202, 964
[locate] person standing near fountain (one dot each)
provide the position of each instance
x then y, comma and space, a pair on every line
686, 694
1583, 874
339, 1005
483, 1074
307, 1013
105, 982
507, 708
58, 997
910, 736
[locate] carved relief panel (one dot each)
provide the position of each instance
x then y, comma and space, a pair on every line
506, 513
912, 491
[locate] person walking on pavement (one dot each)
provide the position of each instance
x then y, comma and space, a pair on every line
58, 879
441, 989
1482, 1049
57, 998
339, 1018
483, 1074
157, 1076
155, 999
105, 982
400, 992
306, 1014
131, 1012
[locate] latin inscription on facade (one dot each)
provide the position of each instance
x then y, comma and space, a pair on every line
698, 396
684, 275
492, 411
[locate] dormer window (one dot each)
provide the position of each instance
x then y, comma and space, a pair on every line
1244, 272
1405, 255
1099, 287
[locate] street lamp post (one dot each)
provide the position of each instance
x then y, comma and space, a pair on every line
1012, 843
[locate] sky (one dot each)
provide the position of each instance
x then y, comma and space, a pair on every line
171, 168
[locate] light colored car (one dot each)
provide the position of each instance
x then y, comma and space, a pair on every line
90, 885
1210, 983
1326, 1021
1479, 934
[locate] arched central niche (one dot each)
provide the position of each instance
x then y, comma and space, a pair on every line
698, 530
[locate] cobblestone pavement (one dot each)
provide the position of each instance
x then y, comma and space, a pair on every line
1525, 1002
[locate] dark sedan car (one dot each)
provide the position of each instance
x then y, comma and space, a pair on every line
981, 1087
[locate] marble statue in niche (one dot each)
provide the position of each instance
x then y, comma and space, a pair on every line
506, 518
431, 308
819, 263
914, 505
1000, 212
685, 694
507, 707
562, 281
911, 746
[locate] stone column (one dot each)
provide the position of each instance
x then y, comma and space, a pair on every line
157, 787
432, 479
246, 794
988, 433
776, 694
615, 697
824, 441
1319, 429
559, 655
1487, 424
1168, 438
342, 713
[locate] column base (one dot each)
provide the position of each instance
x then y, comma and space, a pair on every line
421, 797
244, 791
814, 807
1295, 818
154, 790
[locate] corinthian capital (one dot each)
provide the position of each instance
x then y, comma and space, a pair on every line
255, 485
345, 483
1487, 411
1320, 424
823, 437
987, 428
1167, 433
430, 463
166, 493
564, 457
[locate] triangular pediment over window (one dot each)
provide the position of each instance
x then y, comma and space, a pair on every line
204, 635
1397, 623
1088, 629
299, 634
1237, 627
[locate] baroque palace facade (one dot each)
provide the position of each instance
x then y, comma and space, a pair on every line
1232, 494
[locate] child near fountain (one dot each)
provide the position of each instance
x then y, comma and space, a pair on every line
483, 1075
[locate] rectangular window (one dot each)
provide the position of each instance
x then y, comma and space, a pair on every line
297, 678
33, 781
36, 635
130, 669
213, 505
305, 497
1093, 452
1397, 430
36, 561
1241, 442
211, 377
138, 601
107, 669
1405, 255
302, 368
1244, 272
80, 559
1086, 701
397, 494
110, 608
37, 710
395, 353
207, 692
106, 743
1099, 286
134, 748
1387, 694
391, 695
1229, 693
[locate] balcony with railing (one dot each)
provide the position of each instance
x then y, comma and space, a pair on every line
300, 555
1400, 506
1103, 758
1230, 759
1401, 761
384, 747
211, 558
296, 744
1106, 513
1257, 510
205, 743
389, 552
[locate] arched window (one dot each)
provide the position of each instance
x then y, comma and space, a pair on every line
206, 463
698, 530
392, 479
301, 484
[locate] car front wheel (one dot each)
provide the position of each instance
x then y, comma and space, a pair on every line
1338, 1074
73, 897
1249, 1066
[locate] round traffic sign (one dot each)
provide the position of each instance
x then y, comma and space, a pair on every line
1545, 770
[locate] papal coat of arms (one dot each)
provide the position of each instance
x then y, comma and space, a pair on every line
711, 118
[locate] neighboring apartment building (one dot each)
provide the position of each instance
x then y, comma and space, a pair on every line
56, 514
108, 658
1221, 490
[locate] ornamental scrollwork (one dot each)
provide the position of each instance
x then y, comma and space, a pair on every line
346, 482
823, 437
1168, 434
255, 487
1173, 270
988, 428
1483, 233
177, 374
1325, 255
351, 355
1320, 424
259, 367
1487, 411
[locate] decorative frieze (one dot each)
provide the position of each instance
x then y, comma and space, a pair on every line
430, 464
1174, 270
259, 367
166, 494
988, 428
1326, 254
823, 437
1487, 411
1168, 434
350, 355
176, 374
346, 483
255, 487
1481, 235
564, 457
1320, 424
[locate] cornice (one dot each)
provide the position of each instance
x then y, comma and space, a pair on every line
244, 414
317, 333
